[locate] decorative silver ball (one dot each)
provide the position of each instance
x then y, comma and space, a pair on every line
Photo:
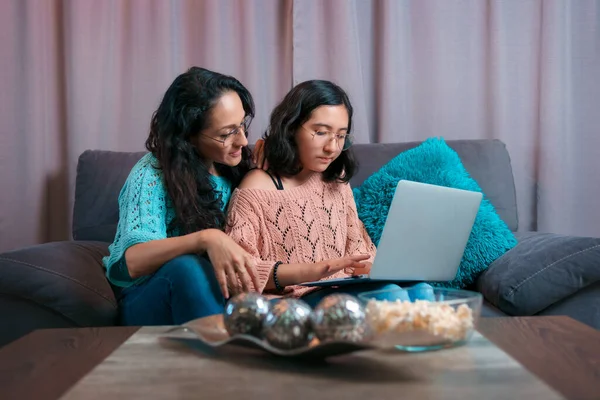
340, 317
245, 314
287, 326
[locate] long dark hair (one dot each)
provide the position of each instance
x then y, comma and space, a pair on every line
183, 112
281, 150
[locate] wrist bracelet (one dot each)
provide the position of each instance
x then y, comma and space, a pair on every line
275, 280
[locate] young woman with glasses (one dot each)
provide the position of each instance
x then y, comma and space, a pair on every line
298, 218
170, 255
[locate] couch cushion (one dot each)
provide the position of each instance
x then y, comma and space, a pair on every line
66, 277
543, 269
435, 163
101, 175
21, 316
487, 161
583, 306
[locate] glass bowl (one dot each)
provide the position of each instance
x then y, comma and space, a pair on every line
421, 318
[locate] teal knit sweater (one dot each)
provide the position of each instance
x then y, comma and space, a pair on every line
145, 213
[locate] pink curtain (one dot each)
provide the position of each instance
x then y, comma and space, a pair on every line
87, 74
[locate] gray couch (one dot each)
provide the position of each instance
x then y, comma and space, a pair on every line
62, 284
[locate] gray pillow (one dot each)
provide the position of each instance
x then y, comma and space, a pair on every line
65, 277
543, 269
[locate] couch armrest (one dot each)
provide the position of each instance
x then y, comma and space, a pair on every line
542, 270
65, 277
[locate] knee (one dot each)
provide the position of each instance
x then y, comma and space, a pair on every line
393, 292
187, 270
389, 287
390, 292
422, 291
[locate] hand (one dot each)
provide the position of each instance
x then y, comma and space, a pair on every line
234, 268
258, 155
365, 269
323, 269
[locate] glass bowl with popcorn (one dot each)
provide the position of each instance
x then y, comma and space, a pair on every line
421, 318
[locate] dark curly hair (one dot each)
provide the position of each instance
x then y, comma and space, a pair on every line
281, 150
183, 112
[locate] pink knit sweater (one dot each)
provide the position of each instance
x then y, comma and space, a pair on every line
313, 222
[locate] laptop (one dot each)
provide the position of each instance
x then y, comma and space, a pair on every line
424, 236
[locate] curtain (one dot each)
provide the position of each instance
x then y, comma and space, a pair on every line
87, 74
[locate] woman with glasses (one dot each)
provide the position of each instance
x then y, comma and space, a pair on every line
170, 255
298, 219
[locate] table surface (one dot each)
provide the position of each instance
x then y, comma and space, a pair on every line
126, 362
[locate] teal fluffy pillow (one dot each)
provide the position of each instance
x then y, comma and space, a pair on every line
434, 162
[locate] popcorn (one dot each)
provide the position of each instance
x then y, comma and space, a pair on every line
439, 319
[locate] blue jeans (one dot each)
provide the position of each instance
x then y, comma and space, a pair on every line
421, 291
183, 289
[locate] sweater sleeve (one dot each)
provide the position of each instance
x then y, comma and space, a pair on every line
358, 240
142, 218
243, 227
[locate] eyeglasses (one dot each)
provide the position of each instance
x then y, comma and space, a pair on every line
227, 138
343, 140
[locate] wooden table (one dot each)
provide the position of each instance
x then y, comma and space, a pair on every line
48, 364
